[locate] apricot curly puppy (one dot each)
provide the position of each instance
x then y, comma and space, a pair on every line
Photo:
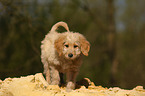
62, 53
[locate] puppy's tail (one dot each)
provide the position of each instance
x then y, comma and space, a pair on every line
63, 24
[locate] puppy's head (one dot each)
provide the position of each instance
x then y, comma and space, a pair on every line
71, 45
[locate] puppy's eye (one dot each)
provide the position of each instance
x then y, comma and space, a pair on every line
66, 46
75, 46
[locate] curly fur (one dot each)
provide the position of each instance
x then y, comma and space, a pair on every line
62, 53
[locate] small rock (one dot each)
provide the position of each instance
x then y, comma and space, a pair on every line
99, 88
1, 81
8, 80
39, 77
139, 88
115, 89
83, 87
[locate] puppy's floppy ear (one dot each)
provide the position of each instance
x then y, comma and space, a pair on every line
59, 44
85, 46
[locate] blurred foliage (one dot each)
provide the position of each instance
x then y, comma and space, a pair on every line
116, 57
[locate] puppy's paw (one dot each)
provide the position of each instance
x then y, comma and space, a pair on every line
70, 86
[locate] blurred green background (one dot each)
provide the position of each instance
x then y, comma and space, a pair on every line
115, 29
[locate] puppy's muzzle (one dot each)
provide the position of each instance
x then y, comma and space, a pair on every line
70, 55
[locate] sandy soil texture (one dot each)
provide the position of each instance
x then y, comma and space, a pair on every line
35, 85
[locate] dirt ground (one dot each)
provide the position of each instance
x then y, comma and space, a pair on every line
35, 85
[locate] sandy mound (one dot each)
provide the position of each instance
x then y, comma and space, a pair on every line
35, 85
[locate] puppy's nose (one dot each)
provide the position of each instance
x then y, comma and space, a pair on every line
70, 55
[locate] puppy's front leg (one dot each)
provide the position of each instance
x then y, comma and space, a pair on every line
54, 75
71, 79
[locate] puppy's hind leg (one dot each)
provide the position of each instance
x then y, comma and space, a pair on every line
46, 70
48, 76
61, 79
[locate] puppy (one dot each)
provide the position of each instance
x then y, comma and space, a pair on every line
62, 53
